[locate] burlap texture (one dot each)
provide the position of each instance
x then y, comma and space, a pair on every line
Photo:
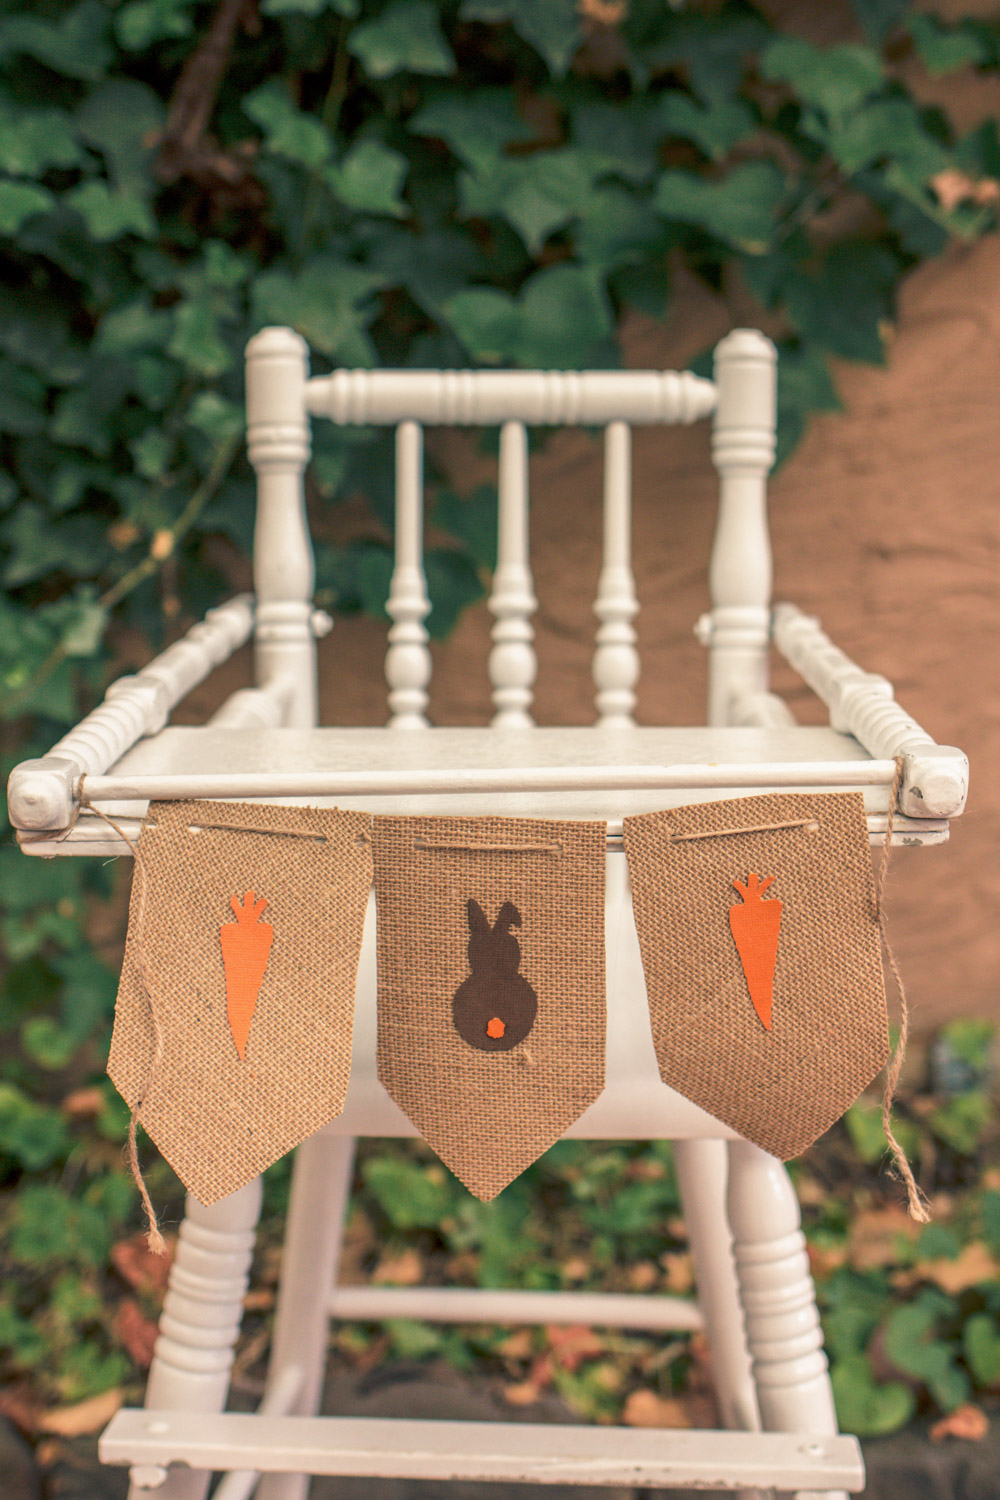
780, 1088
489, 1114
217, 1120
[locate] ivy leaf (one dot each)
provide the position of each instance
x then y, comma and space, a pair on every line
197, 340
867, 1407
39, 547
143, 22
878, 17
561, 316
327, 302
915, 1347
618, 228
715, 129
471, 520
741, 208
713, 46
405, 38
35, 140
287, 130
552, 29
75, 46
847, 306
886, 128
981, 1343
453, 582
945, 49
109, 215
124, 121
536, 195
32, 1135
49, 1228
22, 400
369, 179
623, 138
19, 202
835, 80
411, 1196
475, 127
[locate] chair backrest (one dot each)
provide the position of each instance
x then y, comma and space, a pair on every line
281, 398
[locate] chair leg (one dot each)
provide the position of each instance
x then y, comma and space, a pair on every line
317, 1210
702, 1171
199, 1325
779, 1301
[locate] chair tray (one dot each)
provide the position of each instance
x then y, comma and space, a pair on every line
323, 767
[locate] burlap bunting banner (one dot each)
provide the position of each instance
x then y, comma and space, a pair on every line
760, 945
491, 1002
245, 928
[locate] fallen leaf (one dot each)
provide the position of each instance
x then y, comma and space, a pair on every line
643, 1276
143, 1270
399, 1268
260, 1299
518, 1345
575, 1269
954, 187
83, 1418
874, 1237
647, 1409
522, 1393
825, 1259
135, 1332
679, 1269
968, 1422
83, 1102
571, 1344
974, 1266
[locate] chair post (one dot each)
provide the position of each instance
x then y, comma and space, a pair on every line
278, 445
739, 626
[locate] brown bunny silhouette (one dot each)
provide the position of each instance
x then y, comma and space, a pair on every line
495, 1008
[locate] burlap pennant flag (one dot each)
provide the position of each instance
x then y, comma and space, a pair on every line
235, 1010
491, 1003
760, 945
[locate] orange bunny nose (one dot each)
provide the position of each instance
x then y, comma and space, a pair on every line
495, 1027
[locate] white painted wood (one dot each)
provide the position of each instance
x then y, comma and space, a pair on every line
91, 838
702, 1176
254, 708
616, 660
779, 1301
198, 1326
340, 784
935, 778
41, 793
408, 660
760, 711
278, 447
740, 570
512, 664
279, 1400
510, 1452
317, 1210
485, 398
433, 1304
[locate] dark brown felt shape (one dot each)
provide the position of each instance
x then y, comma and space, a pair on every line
220, 1119
495, 1008
490, 1113
780, 1088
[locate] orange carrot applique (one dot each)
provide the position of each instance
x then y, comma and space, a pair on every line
246, 946
755, 927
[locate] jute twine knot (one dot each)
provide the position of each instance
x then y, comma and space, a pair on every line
915, 1198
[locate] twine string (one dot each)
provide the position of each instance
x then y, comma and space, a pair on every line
154, 1238
809, 824
915, 1199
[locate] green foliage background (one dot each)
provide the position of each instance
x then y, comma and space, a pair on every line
417, 182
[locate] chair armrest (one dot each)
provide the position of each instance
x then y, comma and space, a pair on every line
935, 777
41, 794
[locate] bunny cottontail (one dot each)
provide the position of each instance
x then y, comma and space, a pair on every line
495, 1008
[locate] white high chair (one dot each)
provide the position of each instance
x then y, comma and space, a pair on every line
755, 1295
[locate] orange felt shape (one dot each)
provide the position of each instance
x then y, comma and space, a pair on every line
755, 927
246, 947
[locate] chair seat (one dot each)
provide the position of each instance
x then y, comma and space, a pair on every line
326, 757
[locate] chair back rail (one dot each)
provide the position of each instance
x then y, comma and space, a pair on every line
281, 398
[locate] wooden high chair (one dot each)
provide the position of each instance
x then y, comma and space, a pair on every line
755, 1295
